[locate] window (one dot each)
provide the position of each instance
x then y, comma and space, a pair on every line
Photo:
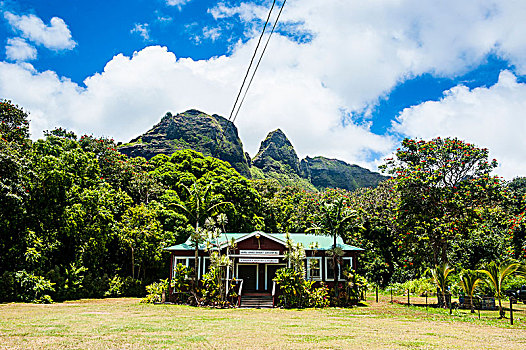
329, 270
314, 268
207, 264
185, 261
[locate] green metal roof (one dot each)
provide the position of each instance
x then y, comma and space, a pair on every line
324, 242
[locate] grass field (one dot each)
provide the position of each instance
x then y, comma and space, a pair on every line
127, 324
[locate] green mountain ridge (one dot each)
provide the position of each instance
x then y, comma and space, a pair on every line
276, 159
212, 135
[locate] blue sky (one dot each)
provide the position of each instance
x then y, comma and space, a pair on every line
342, 79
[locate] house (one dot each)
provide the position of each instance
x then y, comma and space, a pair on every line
258, 255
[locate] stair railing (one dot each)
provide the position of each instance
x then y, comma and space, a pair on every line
273, 293
239, 293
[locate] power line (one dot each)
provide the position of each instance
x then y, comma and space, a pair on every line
220, 143
252, 60
259, 61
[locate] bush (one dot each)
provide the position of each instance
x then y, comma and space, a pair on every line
211, 290
128, 287
8, 286
419, 286
299, 293
319, 297
181, 284
33, 287
155, 292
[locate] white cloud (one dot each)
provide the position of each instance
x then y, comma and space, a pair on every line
359, 51
17, 49
211, 33
490, 117
55, 36
142, 29
178, 3
134, 92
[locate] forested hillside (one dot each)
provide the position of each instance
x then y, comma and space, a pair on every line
80, 219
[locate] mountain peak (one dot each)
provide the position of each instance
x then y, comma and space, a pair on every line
276, 154
211, 135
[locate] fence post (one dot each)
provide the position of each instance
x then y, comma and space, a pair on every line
511, 310
376, 293
426, 301
391, 295
408, 302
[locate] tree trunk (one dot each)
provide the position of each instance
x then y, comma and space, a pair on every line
335, 267
502, 314
444, 252
196, 263
133, 262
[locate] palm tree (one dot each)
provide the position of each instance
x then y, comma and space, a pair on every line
440, 277
495, 276
469, 280
198, 207
336, 220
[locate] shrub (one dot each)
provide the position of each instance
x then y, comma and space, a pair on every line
419, 286
319, 297
296, 292
33, 287
115, 287
128, 287
155, 292
181, 284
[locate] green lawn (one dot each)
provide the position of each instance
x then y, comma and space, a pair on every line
127, 324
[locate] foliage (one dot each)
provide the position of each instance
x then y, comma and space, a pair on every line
180, 282
420, 286
469, 281
34, 288
380, 237
294, 288
355, 285
441, 183
295, 255
440, 276
124, 287
14, 123
155, 292
296, 292
336, 219
495, 275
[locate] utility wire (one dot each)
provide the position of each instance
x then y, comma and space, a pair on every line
251, 61
259, 61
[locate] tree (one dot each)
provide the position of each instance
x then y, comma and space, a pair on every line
380, 238
142, 233
440, 276
336, 219
199, 205
441, 183
14, 123
188, 167
469, 281
495, 275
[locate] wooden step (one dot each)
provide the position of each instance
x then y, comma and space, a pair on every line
256, 302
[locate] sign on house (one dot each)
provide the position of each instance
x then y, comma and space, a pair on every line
259, 252
258, 261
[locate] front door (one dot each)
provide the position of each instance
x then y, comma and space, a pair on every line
248, 273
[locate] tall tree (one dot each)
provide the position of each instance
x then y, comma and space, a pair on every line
441, 183
198, 206
336, 219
